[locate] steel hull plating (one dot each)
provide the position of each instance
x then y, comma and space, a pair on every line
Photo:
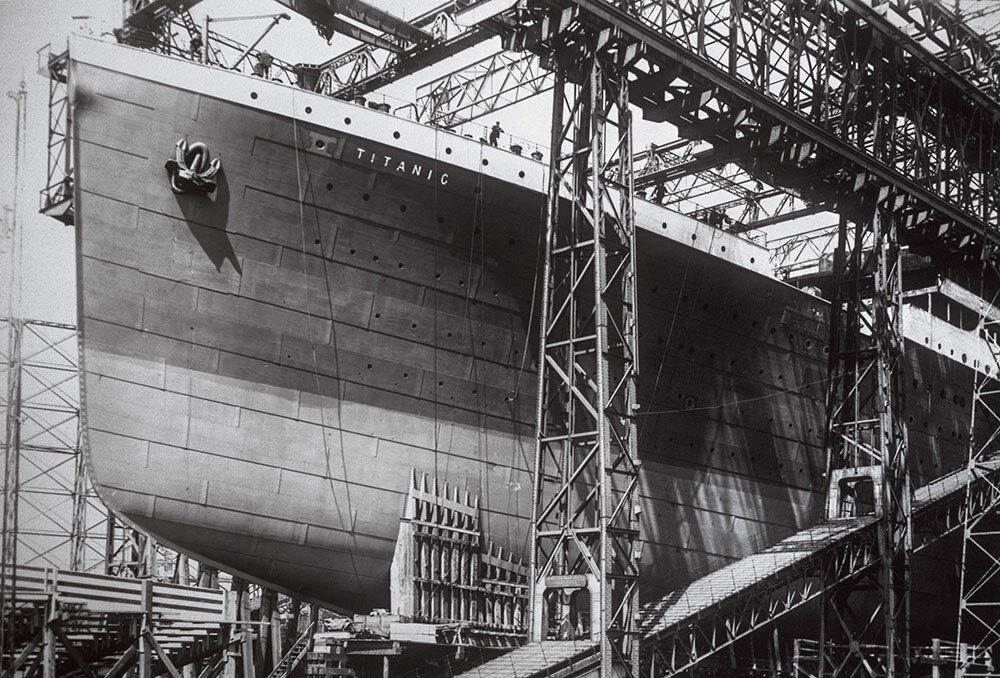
263, 367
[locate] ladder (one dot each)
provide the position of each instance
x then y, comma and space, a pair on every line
294, 655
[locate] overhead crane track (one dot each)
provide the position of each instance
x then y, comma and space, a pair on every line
794, 116
687, 626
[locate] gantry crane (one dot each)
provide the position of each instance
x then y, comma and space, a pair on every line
835, 101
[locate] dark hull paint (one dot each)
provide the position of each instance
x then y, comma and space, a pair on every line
262, 372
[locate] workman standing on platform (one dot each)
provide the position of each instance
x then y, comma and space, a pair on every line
495, 134
263, 68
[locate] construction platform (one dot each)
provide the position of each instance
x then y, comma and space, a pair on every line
687, 626
64, 622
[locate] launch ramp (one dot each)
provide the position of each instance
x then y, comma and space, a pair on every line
690, 624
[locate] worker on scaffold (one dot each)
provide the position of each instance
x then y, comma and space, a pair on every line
263, 66
495, 132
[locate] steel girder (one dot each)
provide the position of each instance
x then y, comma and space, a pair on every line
487, 85
584, 510
56, 199
979, 606
866, 438
691, 625
811, 97
662, 175
55, 499
830, 561
11, 486
456, 26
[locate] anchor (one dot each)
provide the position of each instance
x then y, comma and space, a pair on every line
192, 168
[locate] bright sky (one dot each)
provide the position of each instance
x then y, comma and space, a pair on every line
48, 263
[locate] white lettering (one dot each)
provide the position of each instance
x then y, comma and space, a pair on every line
401, 167
361, 152
372, 159
417, 169
387, 159
444, 179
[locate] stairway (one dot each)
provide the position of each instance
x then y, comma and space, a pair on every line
294, 655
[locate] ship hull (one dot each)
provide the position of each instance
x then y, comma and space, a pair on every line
264, 367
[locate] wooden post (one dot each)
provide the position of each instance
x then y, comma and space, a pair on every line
292, 632
314, 617
243, 605
146, 624
277, 646
49, 636
232, 653
266, 633
181, 574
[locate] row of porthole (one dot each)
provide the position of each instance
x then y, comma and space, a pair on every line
926, 426
951, 352
732, 455
689, 403
401, 265
395, 135
406, 375
956, 399
736, 317
694, 236
732, 363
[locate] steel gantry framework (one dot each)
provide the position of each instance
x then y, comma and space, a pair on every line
887, 114
51, 517
584, 513
59, 520
979, 606
866, 442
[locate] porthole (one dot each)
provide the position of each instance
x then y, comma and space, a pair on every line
395, 135
320, 143
329, 187
347, 121
309, 109
485, 162
521, 174
253, 95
